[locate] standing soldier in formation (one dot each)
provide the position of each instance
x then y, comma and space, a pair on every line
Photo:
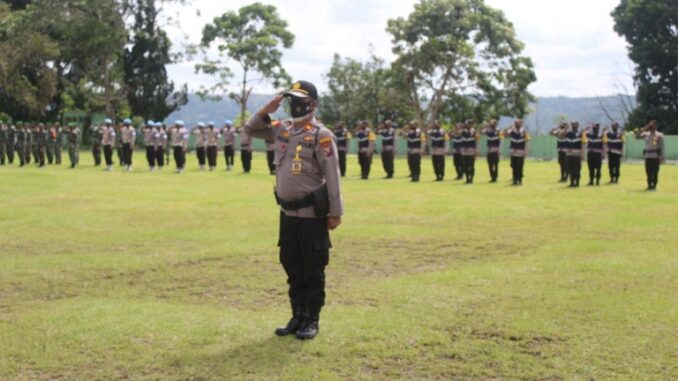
96, 136
388, 147
49, 146
654, 152
457, 143
494, 137
36, 131
245, 150
575, 152
72, 138
213, 137
118, 144
594, 148
520, 146
439, 139
129, 137
56, 136
343, 136
11, 143
147, 133
168, 144
561, 146
179, 145
270, 155
3, 142
469, 150
30, 143
41, 144
614, 141
229, 134
159, 144
108, 141
308, 191
200, 144
366, 148
20, 143
416, 142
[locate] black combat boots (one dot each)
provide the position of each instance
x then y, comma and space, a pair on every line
309, 326
293, 325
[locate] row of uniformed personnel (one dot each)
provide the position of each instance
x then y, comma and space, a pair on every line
43, 142
464, 146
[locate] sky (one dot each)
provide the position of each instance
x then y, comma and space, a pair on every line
572, 43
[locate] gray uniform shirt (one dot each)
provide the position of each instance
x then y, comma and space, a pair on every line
109, 136
180, 137
213, 136
200, 137
229, 134
148, 136
654, 144
318, 155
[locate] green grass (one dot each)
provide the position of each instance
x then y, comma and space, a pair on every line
156, 276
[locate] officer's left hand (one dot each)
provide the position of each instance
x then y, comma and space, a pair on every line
333, 222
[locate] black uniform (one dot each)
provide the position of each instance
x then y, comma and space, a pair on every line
415, 141
457, 142
594, 158
614, 142
388, 150
493, 146
438, 138
575, 146
469, 149
366, 140
342, 136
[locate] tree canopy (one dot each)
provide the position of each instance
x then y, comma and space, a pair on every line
650, 28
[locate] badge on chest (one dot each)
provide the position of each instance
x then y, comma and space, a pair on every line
297, 165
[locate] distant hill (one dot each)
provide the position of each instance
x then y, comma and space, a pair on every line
545, 111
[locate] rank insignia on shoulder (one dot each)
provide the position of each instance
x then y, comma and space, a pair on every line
326, 145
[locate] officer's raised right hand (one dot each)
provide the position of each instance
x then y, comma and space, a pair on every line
271, 106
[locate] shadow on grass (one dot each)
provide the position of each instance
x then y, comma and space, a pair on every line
260, 359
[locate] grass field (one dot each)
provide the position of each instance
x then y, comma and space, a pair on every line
156, 276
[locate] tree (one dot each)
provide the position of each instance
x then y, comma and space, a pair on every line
362, 91
149, 92
461, 53
27, 81
650, 28
252, 37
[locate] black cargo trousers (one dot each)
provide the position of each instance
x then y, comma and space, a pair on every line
304, 253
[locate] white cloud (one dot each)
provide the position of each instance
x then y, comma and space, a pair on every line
575, 50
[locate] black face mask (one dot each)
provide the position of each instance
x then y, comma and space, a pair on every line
299, 107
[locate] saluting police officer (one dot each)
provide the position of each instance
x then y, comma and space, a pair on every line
179, 145
439, 139
343, 136
654, 152
213, 137
614, 140
416, 142
561, 146
494, 137
200, 144
366, 147
594, 151
108, 142
229, 134
309, 194
469, 150
388, 147
520, 146
575, 152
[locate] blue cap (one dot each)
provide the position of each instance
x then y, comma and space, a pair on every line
201, 124
211, 123
150, 123
179, 123
228, 122
108, 121
127, 121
